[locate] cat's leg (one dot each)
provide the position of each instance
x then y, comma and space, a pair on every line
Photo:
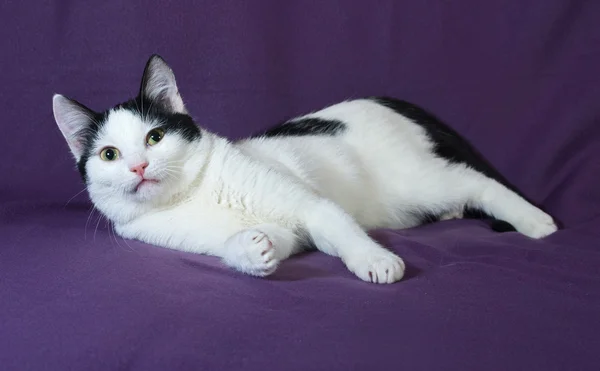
255, 251
336, 233
495, 199
259, 250
504, 204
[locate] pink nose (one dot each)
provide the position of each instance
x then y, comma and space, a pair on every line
139, 169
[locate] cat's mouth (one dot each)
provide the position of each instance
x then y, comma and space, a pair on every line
145, 182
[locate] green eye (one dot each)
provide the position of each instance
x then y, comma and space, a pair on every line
109, 154
154, 136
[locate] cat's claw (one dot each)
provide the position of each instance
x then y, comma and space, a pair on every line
252, 252
378, 266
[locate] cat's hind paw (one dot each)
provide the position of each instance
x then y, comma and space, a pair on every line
537, 224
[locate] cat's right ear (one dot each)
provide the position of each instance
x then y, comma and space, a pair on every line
72, 118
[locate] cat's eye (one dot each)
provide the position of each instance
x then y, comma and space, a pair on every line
109, 154
154, 136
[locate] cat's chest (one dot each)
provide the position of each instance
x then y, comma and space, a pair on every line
248, 205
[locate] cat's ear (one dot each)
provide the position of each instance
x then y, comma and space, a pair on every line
72, 118
159, 86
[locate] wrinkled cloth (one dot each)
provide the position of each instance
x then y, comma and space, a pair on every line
519, 79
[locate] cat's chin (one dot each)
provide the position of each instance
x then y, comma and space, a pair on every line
147, 190
144, 184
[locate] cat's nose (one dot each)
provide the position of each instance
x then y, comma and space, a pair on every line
139, 169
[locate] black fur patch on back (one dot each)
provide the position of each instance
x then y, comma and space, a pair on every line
305, 126
178, 123
449, 145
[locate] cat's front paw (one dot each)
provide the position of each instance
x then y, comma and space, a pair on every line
377, 266
252, 252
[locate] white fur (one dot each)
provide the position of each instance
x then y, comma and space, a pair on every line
253, 201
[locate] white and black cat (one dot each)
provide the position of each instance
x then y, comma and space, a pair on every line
318, 180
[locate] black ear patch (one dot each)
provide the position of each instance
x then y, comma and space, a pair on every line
179, 123
91, 135
304, 127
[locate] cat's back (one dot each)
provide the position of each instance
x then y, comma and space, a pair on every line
339, 151
345, 140
351, 152
365, 124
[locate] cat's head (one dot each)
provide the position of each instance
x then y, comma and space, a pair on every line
138, 154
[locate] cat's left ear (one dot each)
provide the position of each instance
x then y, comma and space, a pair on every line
72, 118
159, 86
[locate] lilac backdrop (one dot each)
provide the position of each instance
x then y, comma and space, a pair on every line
519, 78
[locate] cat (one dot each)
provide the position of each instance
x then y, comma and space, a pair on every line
320, 180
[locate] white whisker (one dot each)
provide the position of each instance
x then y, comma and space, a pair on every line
77, 194
92, 209
97, 224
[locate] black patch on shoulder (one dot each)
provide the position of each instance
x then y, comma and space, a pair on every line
179, 123
451, 146
305, 126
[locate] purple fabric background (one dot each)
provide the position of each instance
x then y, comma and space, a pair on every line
519, 78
